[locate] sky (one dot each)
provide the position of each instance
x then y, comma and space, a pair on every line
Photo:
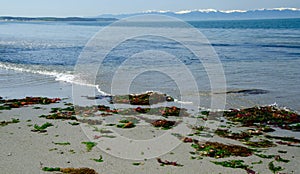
88, 8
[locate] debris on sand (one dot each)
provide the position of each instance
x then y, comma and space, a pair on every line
17, 103
67, 113
268, 115
166, 162
70, 170
42, 128
245, 136
160, 111
148, 98
260, 144
219, 150
165, 124
13, 120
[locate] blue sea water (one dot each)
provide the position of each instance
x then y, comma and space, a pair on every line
261, 59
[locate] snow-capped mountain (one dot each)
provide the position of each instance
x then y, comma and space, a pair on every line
212, 14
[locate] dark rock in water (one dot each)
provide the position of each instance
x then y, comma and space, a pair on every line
248, 91
148, 98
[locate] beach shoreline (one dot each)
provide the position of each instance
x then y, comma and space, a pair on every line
24, 151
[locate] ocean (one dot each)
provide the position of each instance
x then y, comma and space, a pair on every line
260, 58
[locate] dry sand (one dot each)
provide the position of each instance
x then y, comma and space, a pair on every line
24, 151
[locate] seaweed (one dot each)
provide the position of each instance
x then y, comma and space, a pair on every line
73, 123
51, 169
273, 168
91, 110
125, 124
17, 103
78, 170
13, 120
41, 128
148, 98
265, 156
282, 151
166, 162
163, 111
290, 139
165, 124
236, 136
90, 121
232, 164
137, 163
279, 159
100, 160
260, 144
70, 170
267, 115
62, 143
89, 145
219, 150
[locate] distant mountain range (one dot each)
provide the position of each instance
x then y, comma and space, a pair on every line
187, 15
212, 14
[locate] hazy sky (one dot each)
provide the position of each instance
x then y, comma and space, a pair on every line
96, 7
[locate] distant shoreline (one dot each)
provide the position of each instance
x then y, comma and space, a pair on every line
53, 19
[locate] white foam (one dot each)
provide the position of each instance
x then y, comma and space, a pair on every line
67, 77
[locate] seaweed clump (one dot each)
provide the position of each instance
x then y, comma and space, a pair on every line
70, 170
61, 113
236, 136
13, 120
165, 124
270, 115
17, 103
125, 124
260, 144
163, 111
42, 128
219, 150
148, 98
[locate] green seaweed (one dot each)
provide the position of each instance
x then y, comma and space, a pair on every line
13, 120
51, 169
289, 139
100, 160
282, 151
89, 145
279, 159
42, 127
219, 150
260, 144
63, 143
232, 164
136, 163
74, 123
265, 156
273, 168
236, 136
268, 115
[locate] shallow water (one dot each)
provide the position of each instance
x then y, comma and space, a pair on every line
256, 55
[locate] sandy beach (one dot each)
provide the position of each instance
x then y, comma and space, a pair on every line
25, 151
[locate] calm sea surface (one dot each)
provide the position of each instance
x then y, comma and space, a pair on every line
261, 59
